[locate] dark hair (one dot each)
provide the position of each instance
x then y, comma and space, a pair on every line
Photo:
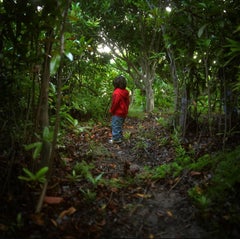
120, 82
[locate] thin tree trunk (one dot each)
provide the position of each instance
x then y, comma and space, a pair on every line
43, 113
51, 152
59, 88
225, 105
184, 111
209, 95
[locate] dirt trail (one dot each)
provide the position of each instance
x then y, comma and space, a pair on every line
160, 211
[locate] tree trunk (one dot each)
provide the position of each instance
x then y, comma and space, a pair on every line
148, 73
173, 71
209, 95
47, 146
43, 112
184, 111
149, 96
43, 106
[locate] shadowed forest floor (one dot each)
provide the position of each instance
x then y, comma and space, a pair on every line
97, 190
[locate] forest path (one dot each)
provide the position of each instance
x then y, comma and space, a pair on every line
156, 209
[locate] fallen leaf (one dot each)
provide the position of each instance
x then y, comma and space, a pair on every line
69, 211
142, 195
37, 219
151, 236
53, 200
112, 165
195, 173
54, 222
114, 190
67, 160
169, 213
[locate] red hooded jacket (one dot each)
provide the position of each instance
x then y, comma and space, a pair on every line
120, 102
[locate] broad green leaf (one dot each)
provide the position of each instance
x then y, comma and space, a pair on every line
53, 87
42, 172
37, 150
201, 30
37, 146
69, 55
30, 174
55, 62
202, 4
24, 178
99, 177
32, 146
75, 122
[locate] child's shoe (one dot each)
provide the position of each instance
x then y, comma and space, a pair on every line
115, 141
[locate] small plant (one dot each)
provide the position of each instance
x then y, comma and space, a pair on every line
142, 144
161, 171
202, 163
115, 183
176, 169
97, 149
127, 135
94, 180
163, 141
176, 137
149, 134
37, 146
163, 122
39, 177
182, 157
73, 123
83, 168
17, 224
89, 195
197, 194
74, 177
19, 221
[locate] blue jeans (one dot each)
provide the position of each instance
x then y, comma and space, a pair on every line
117, 125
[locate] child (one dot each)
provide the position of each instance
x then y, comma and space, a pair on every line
119, 108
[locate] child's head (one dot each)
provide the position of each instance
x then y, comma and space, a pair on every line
120, 82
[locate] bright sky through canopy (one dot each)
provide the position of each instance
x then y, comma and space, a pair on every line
168, 9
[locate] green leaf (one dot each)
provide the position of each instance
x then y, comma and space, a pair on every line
24, 178
99, 177
75, 122
201, 30
202, 4
32, 146
42, 172
37, 146
30, 174
69, 55
40, 175
54, 64
37, 150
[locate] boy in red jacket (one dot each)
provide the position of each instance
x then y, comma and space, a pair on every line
119, 108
